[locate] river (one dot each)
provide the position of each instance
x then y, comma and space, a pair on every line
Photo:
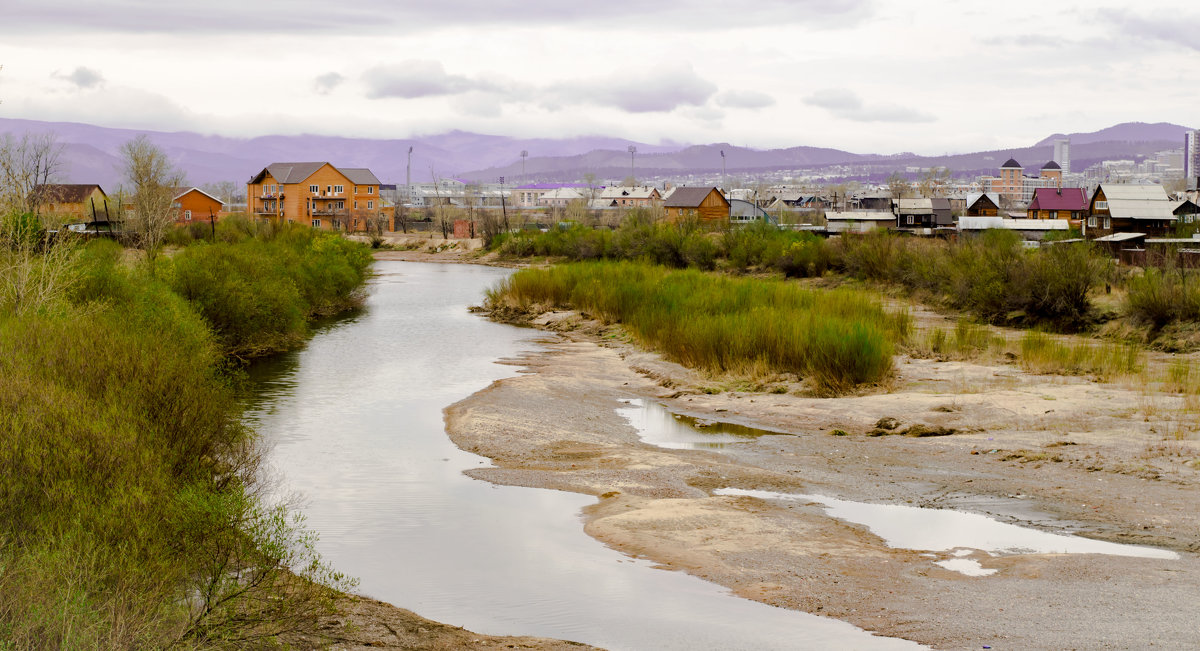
355, 429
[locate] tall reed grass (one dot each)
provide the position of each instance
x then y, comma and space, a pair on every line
840, 339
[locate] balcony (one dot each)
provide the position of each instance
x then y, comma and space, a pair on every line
267, 195
265, 211
328, 212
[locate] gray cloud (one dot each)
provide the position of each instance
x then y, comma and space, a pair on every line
848, 105
746, 99
82, 77
414, 79
661, 90
324, 84
276, 16
1173, 29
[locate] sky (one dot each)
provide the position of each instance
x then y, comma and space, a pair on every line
868, 76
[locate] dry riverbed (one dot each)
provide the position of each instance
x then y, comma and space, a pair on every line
1063, 454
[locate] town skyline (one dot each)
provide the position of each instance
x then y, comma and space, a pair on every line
840, 74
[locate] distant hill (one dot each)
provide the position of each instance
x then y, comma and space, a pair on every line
1124, 132
91, 154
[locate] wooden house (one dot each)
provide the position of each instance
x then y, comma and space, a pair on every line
912, 214
1128, 208
985, 204
1070, 204
195, 204
71, 201
704, 203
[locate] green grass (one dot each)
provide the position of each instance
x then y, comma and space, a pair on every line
129, 515
840, 339
1042, 353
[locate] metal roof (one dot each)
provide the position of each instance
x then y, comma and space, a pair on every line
359, 175
1121, 237
1118, 191
684, 197
860, 215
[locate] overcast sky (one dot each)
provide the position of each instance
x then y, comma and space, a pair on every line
870, 76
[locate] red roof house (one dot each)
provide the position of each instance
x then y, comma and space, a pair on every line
1059, 203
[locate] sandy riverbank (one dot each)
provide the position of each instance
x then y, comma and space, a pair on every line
1062, 454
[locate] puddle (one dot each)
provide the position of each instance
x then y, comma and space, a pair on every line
910, 527
658, 426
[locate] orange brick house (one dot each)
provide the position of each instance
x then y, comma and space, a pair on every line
317, 194
195, 204
707, 204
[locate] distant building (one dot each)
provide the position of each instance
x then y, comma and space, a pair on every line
1011, 184
1191, 158
706, 203
315, 193
628, 196
194, 204
1062, 154
77, 201
1059, 203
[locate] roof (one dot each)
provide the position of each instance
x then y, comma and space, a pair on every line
985, 223
1012, 162
1051, 166
285, 173
1120, 237
568, 194
860, 215
65, 192
974, 197
684, 197
1059, 199
915, 207
629, 192
550, 186
179, 192
1118, 191
359, 175
745, 209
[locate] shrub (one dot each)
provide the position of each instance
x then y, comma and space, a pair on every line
839, 338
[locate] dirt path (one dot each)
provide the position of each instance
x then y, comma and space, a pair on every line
1063, 454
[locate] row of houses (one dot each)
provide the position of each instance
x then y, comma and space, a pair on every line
1112, 209
84, 202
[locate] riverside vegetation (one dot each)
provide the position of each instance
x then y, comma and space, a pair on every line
993, 279
131, 514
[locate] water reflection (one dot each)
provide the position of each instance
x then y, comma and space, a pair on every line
356, 423
658, 426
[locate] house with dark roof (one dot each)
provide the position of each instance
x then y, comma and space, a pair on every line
316, 193
912, 214
705, 203
71, 201
1059, 203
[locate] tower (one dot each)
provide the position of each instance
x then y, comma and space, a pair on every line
1191, 158
1062, 154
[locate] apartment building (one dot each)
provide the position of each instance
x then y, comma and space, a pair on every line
315, 193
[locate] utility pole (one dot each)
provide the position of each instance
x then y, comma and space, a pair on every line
632, 151
524, 155
503, 206
408, 178
723, 188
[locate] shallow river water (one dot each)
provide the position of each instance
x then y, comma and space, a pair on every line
355, 426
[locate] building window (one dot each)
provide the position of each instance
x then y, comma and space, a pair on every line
341, 205
337, 189
370, 189
910, 220
1092, 221
314, 189
187, 215
356, 205
1101, 205
356, 189
370, 205
316, 223
1187, 219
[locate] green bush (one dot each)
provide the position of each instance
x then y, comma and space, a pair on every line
1158, 297
839, 338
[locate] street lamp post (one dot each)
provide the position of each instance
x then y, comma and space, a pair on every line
524, 155
408, 179
723, 188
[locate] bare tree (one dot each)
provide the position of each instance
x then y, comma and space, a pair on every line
933, 182
226, 191
898, 186
154, 181
32, 160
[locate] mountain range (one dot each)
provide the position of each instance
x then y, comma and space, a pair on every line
92, 154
